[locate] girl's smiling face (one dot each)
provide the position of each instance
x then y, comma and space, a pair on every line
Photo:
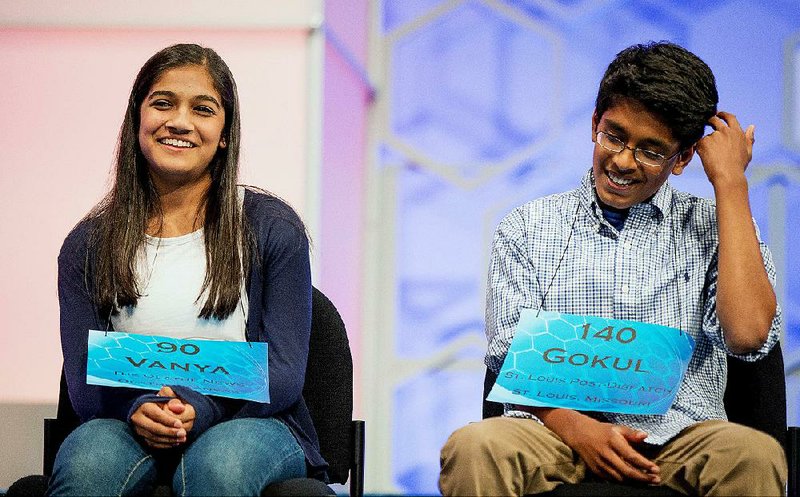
181, 121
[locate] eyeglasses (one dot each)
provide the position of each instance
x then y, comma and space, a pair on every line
642, 156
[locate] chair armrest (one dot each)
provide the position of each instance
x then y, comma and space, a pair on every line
793, 459
51, 445
358, 433
55, 431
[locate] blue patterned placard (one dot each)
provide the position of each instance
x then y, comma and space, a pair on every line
237, 370
589, 363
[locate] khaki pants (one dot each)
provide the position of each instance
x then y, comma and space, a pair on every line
511, 456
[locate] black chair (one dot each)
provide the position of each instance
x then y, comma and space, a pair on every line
328, 392
755, 396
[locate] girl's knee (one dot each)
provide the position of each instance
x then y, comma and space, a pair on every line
101, 457
98, 443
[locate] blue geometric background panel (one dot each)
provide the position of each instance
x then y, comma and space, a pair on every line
488, 104
462, 101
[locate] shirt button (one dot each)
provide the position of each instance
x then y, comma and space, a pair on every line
624, 288
628, 245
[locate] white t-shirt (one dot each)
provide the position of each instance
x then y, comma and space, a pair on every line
170, 272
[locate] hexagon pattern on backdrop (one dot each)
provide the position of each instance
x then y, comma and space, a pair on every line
487, 105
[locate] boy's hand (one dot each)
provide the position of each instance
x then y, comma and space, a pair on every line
606, 449
726, 151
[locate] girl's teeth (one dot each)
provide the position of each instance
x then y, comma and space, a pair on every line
176, 143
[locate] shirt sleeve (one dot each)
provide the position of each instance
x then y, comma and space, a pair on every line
711, 325
512, 286
78, 315
285, 316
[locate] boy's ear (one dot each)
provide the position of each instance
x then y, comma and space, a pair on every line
683, 160
594, 124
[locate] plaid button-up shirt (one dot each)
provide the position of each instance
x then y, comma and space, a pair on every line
661, 268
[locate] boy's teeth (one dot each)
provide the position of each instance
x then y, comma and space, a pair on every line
619, 181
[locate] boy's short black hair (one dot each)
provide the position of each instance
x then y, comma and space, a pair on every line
669, 81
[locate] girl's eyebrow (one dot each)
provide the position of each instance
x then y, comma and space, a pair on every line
208, 98
161, 93
171, 94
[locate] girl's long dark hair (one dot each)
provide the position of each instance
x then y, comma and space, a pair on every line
121, 218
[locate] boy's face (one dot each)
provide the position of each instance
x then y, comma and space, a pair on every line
620, 180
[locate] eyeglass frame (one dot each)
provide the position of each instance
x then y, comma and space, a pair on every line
664, 159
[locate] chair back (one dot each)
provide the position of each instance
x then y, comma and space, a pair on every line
328, 388
755, 394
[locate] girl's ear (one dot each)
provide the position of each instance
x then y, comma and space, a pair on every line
222, 143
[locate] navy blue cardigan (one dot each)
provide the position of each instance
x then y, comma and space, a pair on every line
279, 294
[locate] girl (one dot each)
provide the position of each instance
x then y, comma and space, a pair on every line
177, 249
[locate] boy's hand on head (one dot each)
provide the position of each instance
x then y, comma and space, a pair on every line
606, 449
726, 151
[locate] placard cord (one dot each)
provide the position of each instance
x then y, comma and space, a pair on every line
675, 266
561, 259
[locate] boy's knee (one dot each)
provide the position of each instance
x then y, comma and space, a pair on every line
750, 453
763, 453
471, 441
465, 458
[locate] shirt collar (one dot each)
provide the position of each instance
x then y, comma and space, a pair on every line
659, 204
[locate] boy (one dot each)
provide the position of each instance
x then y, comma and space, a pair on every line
626, 245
